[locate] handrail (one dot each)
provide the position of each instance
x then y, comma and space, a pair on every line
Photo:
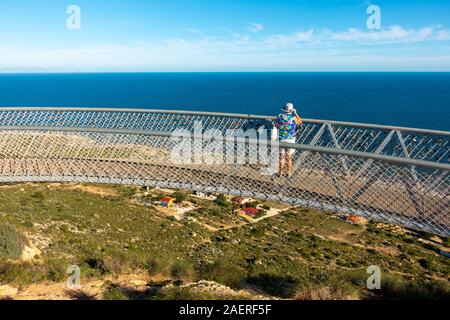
221, 114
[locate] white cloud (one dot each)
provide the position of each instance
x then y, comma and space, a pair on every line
281, 40
442, 35
255, 27
391, 34
195, 31
300, 49
242, 38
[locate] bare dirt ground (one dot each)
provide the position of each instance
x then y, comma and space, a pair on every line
99, 190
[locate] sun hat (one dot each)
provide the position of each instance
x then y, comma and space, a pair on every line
289, 108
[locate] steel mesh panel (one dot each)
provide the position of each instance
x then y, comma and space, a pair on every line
402, 142
121, 147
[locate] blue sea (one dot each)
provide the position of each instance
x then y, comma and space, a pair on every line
419, 100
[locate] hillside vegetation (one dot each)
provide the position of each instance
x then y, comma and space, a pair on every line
115, 233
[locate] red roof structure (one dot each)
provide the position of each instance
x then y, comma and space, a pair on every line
250, 211
238, 200
353, 218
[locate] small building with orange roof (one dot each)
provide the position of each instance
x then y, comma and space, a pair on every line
167, 202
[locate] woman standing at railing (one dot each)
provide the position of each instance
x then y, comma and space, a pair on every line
287, 124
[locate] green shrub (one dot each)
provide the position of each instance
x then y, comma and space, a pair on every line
179, 196
373, 229
98, 264
181, 271
276, 285
330, 289
155, 266
425, 235
257, 232
424, 263
222, 201
251, 204
260, 214
38, 195
28, 224
223, 272
446, 242
54, 270
26, 274
409, 240
158, 197
11, 242
431, 247
112, 292
125, 193
397, 288
176, 293
216, 212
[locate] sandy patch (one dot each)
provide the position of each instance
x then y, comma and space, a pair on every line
271, 213
177, 212
98, 190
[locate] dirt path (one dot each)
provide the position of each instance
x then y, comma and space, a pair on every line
270, 214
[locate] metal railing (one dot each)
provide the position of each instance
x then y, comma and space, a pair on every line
391, 174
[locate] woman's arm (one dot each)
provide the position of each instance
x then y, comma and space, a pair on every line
297, 118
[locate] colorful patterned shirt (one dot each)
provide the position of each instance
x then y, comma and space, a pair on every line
287, 126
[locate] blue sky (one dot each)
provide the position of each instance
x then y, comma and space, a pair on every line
224, 35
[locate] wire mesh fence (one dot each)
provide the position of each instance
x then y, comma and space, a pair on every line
395, 141
139, 148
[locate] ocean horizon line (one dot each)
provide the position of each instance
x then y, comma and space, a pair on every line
211, 72
402, 99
